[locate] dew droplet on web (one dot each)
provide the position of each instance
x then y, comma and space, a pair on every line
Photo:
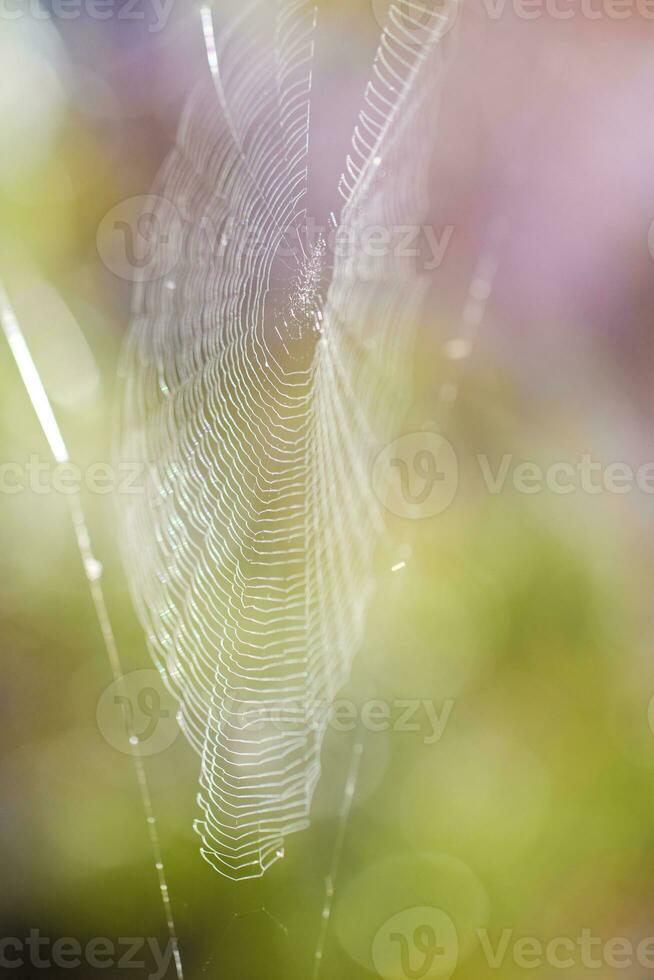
93, 569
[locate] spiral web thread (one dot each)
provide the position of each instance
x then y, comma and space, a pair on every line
260, 380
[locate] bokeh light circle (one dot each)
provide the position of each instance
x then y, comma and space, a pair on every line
412, 881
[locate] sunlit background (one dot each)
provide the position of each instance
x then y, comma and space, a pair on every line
523, 617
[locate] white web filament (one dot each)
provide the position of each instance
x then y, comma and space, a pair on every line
93, 572
259, 384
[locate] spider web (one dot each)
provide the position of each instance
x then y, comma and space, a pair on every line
260, 380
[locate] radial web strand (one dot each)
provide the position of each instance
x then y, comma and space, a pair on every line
93, 573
